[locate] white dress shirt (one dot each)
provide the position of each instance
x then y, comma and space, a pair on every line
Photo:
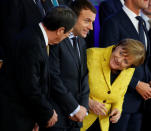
122, 1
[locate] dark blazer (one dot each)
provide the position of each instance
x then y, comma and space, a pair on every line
107, 8
27, 83
147, 105
16, 16
69, 81
116, 28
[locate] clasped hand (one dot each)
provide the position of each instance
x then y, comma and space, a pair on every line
144, 89
97, 107
79, 116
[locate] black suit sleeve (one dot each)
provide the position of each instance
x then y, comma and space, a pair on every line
62, 94
31, 81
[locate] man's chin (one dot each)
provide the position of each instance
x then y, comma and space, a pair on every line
84, 35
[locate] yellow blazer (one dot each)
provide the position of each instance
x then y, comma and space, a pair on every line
100, 87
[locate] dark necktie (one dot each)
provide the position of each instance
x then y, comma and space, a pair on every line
141, 29
39, 5
75, 47
55, 3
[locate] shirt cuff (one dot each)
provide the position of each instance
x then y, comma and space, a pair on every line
137, 83
75, 111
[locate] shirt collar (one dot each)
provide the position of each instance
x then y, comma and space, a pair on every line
71, 35
122, 1
145, 17
44, 33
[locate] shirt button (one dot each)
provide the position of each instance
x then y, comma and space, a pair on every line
104, 101
109, 92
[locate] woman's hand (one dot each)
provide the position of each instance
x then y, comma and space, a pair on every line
115, 115
97, 107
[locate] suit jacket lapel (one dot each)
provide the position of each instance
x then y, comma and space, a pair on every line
129, 27
118, 4
69, 46
81, 54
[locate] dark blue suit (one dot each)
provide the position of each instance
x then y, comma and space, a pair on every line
147, 106
116, 28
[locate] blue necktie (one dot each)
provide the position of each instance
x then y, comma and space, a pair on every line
75, 47
141, 29
55, 3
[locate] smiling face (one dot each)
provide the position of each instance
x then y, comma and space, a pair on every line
84, 23
119, 59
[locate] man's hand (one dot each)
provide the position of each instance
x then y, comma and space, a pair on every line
115, 115
52, 120
79, 116
144, 90
36, 127
97, 107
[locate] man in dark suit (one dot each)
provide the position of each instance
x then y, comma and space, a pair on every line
27, 88
146, 14
68, 69
16, 15
124, 24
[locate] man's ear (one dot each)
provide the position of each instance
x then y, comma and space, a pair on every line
60, 31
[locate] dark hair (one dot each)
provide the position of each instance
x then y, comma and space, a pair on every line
79, 5
60, 16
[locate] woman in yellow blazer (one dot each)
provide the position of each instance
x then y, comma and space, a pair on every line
109, 77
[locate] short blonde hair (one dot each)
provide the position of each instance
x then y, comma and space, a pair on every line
135, 49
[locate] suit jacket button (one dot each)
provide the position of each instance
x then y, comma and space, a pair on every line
104, 101
109, 92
